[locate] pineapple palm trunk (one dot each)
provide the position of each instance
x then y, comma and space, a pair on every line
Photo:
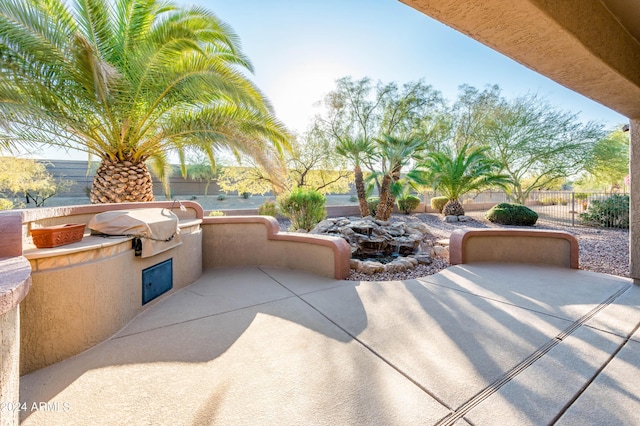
362, 194
387, 195
121, 181
385, 208
453, 208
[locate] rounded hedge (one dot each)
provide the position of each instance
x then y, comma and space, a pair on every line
512, 214
437, 203
409, 203
304, 207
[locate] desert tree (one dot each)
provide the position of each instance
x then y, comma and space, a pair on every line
609, 162
537, 144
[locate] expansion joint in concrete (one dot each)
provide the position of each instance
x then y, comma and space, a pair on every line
477, 399
370, 349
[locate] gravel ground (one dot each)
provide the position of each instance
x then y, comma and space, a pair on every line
601, 250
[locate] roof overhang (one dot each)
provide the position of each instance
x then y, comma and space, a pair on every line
589, 46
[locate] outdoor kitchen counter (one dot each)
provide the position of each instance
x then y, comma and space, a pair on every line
84, 292
91, 248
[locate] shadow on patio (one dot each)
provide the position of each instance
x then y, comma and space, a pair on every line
493, 344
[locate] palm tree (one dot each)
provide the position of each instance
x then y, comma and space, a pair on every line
129, 82
456, 173
357, 150
199, 169
396, 153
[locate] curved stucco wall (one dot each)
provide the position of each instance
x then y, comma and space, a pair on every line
71, 308
513, 246
257, 241
15, 282
81, 294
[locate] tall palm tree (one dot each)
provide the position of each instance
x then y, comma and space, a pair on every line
356, 150
396, 153
455, 173
129, 82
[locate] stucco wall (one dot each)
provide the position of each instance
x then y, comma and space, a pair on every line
15, 282
83, 293
634, 206
513, 245
9, 365
71, 308
256, 241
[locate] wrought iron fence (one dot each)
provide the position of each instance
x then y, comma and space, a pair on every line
569, 208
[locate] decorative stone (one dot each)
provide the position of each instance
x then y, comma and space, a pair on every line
368, 237
369, 246
412, 261
464, 218
348, 232
396, 266
404, 261
450, 219
443, 242
441, 251
422, 258
370, 267
395, 232
420, 227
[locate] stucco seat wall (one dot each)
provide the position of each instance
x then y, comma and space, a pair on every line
513, 246
257, 241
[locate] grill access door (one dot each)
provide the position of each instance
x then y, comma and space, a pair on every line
157, 280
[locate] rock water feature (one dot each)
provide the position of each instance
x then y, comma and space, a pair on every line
378, 246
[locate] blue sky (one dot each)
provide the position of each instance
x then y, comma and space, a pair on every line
300, 47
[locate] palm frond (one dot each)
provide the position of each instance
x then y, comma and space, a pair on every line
131, 79
455, 173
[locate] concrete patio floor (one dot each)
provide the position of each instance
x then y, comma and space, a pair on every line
476, 344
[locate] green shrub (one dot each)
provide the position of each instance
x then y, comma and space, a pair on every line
5, 204
222, 197
437, 203
512, 214
245, 195
268, 209
580, 196
612, 212
353, 199
408, 203
304, 207
554, 201
373, 203
548, 201
216, 213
